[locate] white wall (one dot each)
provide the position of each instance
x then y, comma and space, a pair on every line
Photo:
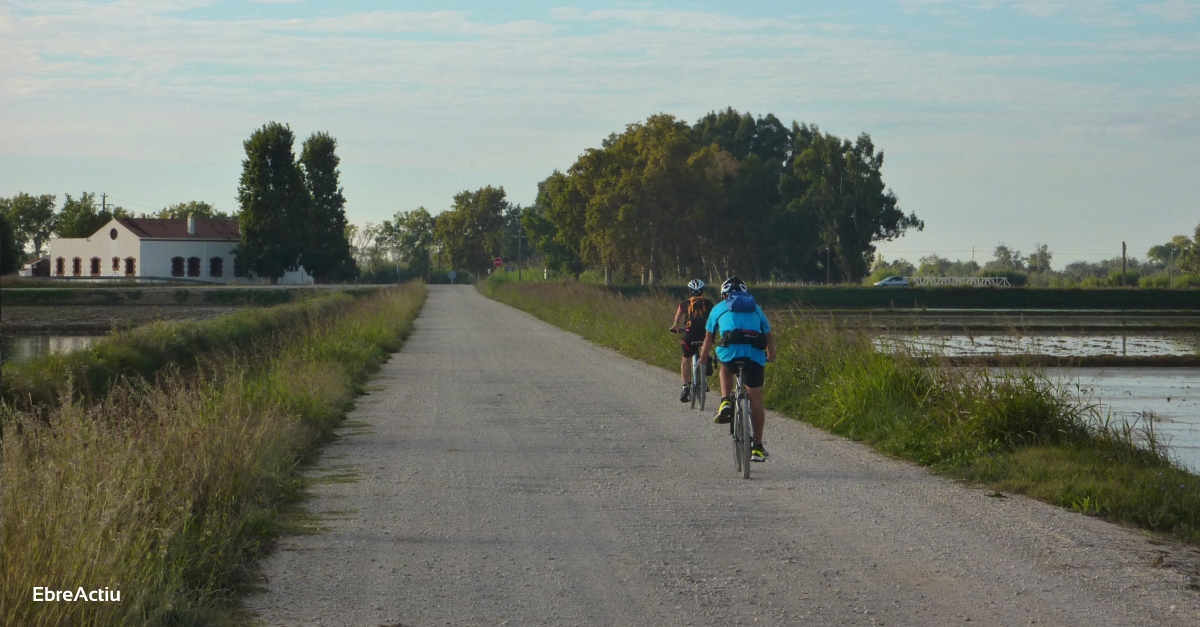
157, 255
100, 245
153, 257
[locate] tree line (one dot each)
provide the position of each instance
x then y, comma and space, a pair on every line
291, 211
663, 200
1174, 263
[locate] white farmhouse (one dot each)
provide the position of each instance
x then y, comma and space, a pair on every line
157, 248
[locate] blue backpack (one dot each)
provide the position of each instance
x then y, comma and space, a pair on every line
744, 303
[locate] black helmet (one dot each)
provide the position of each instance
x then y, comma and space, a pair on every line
732, 284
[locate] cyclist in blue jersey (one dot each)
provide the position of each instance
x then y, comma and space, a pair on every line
741, 333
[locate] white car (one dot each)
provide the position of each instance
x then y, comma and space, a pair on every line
892, 281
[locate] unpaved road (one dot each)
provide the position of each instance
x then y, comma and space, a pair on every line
509, 473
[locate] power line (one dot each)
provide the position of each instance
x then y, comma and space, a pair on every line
128, 202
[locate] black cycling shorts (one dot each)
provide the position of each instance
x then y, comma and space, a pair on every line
754, 374
689, 348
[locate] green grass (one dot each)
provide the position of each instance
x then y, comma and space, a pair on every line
1016, 431
169, 488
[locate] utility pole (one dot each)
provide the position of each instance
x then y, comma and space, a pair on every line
103, 202
1122, 263
518, 252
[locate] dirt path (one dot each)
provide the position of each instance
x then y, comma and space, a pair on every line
510, 473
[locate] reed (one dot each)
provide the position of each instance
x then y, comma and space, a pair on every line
168, 488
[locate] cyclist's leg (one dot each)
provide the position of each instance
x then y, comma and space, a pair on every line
727, 381
685, 364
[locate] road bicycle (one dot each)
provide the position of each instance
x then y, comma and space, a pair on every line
698, 388
741, 428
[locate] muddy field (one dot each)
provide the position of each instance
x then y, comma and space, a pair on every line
94, 319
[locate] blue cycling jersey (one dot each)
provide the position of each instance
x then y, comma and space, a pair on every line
724, 319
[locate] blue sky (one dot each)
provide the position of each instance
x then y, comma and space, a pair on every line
1069, 123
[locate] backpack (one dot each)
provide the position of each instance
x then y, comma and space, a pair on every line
698, 309
744, 303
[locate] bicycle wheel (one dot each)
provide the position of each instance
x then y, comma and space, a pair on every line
747, 435
695, 383
735, 430
702, 387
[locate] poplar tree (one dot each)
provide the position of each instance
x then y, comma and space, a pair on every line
10, 253
274, 203
326, 252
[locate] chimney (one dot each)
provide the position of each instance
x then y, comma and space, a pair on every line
191, 224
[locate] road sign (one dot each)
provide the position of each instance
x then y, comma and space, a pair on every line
498, 262
453, 275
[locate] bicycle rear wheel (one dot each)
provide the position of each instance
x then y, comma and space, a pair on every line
747, 435
696, 383
735, 430
702, 385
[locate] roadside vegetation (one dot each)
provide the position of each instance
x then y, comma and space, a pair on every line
1013, 430
158, 462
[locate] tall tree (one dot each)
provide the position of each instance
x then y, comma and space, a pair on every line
32, 219
1039, 261
195, 208
836, 187
80, 218
411, 234
470, 233
326, 251
274, 203
10, 253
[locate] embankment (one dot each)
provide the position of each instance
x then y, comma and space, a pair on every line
165, 480
856, 297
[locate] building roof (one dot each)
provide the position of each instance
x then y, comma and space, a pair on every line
155, 228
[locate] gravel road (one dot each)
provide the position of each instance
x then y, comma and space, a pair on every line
509, 473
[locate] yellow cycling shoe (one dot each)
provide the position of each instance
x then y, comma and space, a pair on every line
724, 413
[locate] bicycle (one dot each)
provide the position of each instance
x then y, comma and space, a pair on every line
698, 388
742, 427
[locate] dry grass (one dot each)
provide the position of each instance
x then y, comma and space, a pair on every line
169, 490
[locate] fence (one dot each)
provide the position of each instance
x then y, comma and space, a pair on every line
958, 281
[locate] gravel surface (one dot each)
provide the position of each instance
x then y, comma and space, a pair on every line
510, 473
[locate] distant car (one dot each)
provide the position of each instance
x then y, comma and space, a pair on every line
892, 281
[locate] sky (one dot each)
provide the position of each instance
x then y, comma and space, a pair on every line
1070, 123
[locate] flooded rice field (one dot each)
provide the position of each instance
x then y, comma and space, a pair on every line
21, 347
1070, 344
1171, 395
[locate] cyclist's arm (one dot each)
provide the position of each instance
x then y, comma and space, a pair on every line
770, 347
706, 350
678, 316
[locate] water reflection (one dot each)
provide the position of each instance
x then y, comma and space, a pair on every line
1172, 395
1058, 345
24, 347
